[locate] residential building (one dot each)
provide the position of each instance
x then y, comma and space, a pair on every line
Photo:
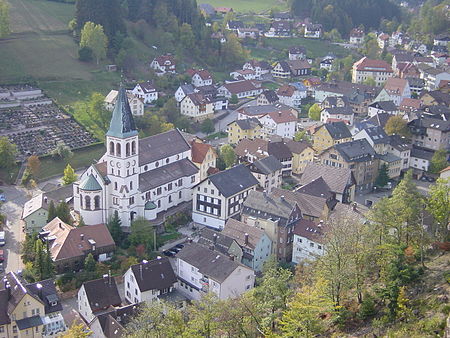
382, 107
201, 270
393, 164
112, 323
384, 41
244, 129
163, 64
291, 68
394, 90
313, 31
433, 76
184, 90
326, 64
335, 114
69, 246
279, 29
365, 68
302, 155
234, 25
357, 155
445, 173
248, 33
400, 147
340, 180
98, 296
241, 89
291, 95
435, 98
308, 242
431, 133
267, 97
268, 172
146, 281
356, 36
330, 134
297, 53
30, 309
221, 242
420, 158
282, 123
146, 91
243, 74
136, 177
377, 138
409, 105
201, 78
259, 67
261, 111
136, 103
204, 157
197, 106
221, 195
416, 84
254, 242
441, 40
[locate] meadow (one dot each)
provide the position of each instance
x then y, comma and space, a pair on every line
250, 6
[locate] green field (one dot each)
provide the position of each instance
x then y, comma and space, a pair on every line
250, 6
315, 48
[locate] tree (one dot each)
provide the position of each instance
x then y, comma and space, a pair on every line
438, 204
115, 229
207, 126
77, 331
303, 317
234, 99
52, 213
439, 161
228, 155
92, 36
142, 234
27, 248
34, 165
302, 136
232, 51
397, 125
383, 176
69, 175
8, 153
90, 263
187, 37
370, 82
62, 151
4, 19
98, 112
314, 112
85, 54
63, 212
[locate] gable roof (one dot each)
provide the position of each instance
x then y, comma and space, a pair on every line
310, 230
309, 205
256, 147
370, 65
379, 119
317, 187
147, 87
384, 105
204, 74
198, 99
395, 85
297, 147
268, 205
237, 231
113, 322
356, 151
338, 130
102, 293
45, 290
221, 242
248, 124
377, 135
156, 274
267, 165
280, 150
199, 151
282, 116
399, 142
336, 178
234, 180
270, 95
264, 109
346, 110
237, 87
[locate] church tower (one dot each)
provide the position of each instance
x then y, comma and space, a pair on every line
122, 155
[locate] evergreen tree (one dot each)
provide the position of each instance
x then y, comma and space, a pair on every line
52, 213
63, 212
90, 263
39, 264
114, 226
383, 176
69, 175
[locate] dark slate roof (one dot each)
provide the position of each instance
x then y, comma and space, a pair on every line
113, 322
47, 294
187, 88
154, 275
356, 151
60, 193
420, 152
399, 142
4, 318
347, 110
309, 205
317, 187
102, 293
310, 230
280, 150
384, 105
209, 262
165, 174
29, 322
233, 180
247, 124
162, 145
377, 134
379, 119
297, 50
270, 95
235, 24
122, 122
336, 178
267, 165
220, 241
432, 123
338, 130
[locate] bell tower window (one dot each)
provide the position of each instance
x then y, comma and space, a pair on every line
118, 145
127, 149
133, 148
111, 148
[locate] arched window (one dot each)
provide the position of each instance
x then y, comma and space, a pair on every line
131, 185
111, 148
87, 203
118, 149
133, 148
97, 202
127, 149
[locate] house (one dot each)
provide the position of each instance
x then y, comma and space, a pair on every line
408, 105
394, 90
335, 101
326, 64
393, 164
441, 40
69, 246
282, 123
243, 74
259, 67
267, 97
400, 147
356, 36
220, 196
276, 216
145, 91
297, 53
201, 270
365, 68
308, 241
313, 31
30, 309
379, 119
291, 95
184, 90
359, 156
163, 64
279, 29
223, 10
382, 107
244, 129
241, 89
420, 158
330, 134
435, 98
97, 296
340, 180
137, 177
268, 172
282, 16
384, 41
432, 76
234, 25
416, 85
136, 103
201, 78
207, 9
261, 111
407, 70
254, 242
430, 132
335, 114
286, 69
281, 70
248, 33
221, 242
112, 323
197, 106
146, 281
302, 154
204, 157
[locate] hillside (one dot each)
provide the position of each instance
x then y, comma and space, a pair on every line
250, 6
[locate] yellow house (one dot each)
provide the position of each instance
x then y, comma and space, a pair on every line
302, 154
204, 157
330, 134
244, 129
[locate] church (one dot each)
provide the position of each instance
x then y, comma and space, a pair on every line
136, 177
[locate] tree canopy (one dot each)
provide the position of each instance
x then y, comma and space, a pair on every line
4, 19
93, 37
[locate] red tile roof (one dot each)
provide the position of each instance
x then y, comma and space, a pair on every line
199, 151
282, 116
369, 65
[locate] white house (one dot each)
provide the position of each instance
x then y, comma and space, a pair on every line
241, 89
146, 281
244, 74
202, 78
220, 196
292, 94
197, 106
251, 33
297, 53
136, 103
282, 123
268, 172
313, 31
308, 241
356, 36
394, 90
365, 68
433, 76
259, 67
326, 64
163, 64
334, 114
381, 107
96, 296
146, 91
401, 147
201, 270
183, 90
420, 158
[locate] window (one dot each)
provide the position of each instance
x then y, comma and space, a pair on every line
115, 186
133, 148
159, 191
170, 198
118, 150
180, 182
180, 195
2, 329
127, 149
111, 148
131, 200
97, 202
311, 245
192, 179
169, 186
87, 202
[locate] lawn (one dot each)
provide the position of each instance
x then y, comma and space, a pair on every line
81, 158
315, 48
250, 6
271, 85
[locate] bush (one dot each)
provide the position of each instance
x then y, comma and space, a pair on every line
367, 308
85, 54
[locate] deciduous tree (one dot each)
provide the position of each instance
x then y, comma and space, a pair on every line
397, 125
34, 164
228, 155
92, 36
314, 112
8, 153
439, 161
69, 175
4, 19
438, 204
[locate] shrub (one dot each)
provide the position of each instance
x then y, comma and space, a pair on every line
367, 308
85, 54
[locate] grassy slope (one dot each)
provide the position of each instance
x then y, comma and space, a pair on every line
317, 48
246, 6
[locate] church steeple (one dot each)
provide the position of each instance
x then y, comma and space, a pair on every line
122, 122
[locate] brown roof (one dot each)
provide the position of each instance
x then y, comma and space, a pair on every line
203, 73
237, 230
356, 32
369, 65
254, 147
286, 90
297, 147
308, 204
408, 103
163, 58
67, 241
102, 293
336, 178
240, 86
199, 151
395, 85
198, 99
310, 230
298, 64
282, 116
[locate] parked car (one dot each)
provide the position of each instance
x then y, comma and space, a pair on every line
2, 256
181, 246
2, 198
169, 253
175, 249
2, 238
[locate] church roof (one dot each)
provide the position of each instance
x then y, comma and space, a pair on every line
122, 122
90, 184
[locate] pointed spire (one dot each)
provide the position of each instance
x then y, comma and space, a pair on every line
122, 122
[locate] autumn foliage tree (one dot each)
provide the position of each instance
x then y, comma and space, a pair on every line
34, 165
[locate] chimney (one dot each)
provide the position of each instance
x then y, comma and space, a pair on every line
8, 289
105, 278
189, 240
140, 271
45, 199
60, 226
282, 197
214, 238
231, 257
81, 236
354, 206
246, 239
320, 223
